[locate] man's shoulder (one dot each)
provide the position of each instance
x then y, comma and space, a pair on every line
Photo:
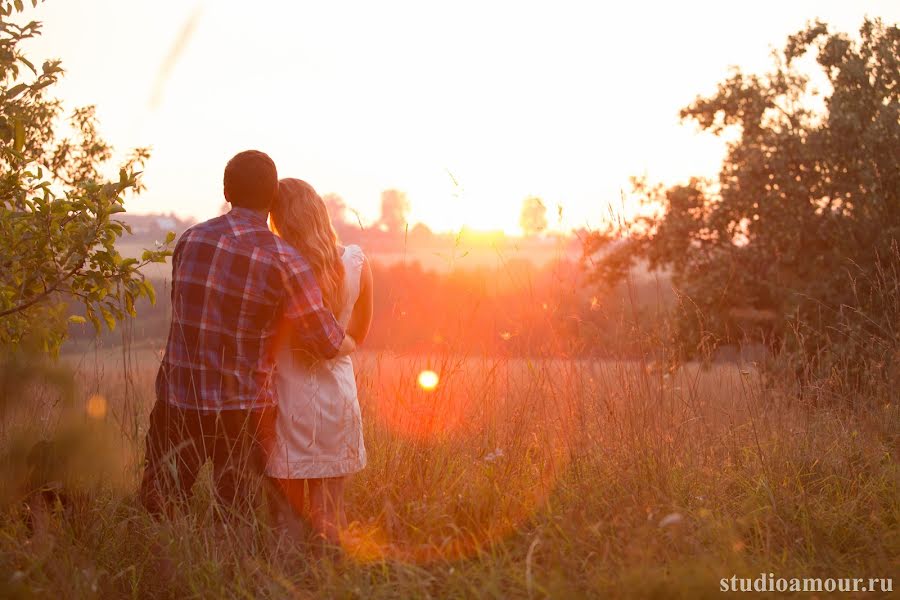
212, 227
288, 256
253, 237
257, 241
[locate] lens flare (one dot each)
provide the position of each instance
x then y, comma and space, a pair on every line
521, 466
96, 406
428, 380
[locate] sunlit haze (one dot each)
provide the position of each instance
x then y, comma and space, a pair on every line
468, 107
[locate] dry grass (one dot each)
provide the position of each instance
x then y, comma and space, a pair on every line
514, 478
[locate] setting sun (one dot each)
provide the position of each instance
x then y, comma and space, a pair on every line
415, 97
428, 380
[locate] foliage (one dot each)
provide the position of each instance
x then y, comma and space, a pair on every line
336, 206
805, 216
394, 211
533, 218
57, 208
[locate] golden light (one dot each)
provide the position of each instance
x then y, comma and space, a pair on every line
371, 539
428, 380
96, 406
432, 422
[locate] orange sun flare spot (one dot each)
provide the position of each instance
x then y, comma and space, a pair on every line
453, 417
96, 406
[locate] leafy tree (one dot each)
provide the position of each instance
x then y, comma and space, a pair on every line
394, 209
57, 208
421, 233
533, 218
336, 207
801, 229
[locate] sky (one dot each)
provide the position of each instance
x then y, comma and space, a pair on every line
467, 106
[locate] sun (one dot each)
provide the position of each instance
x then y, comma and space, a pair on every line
428, 380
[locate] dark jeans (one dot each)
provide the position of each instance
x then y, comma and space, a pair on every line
180, 441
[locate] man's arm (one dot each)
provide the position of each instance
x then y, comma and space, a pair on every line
176, 259
311, 326
348, 346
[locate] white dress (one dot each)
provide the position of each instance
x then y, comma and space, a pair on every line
318, 432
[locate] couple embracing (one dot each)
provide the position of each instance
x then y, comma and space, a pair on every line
256, 376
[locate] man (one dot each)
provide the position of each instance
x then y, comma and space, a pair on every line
237, 289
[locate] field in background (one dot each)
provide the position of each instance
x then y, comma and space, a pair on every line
514, 308
438, 254
514, 478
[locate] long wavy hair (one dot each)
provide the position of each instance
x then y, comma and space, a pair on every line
300, 217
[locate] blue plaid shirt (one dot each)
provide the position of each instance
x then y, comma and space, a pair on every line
238, 292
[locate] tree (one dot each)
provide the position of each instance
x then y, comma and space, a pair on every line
57, 209
805, 213
533, 218
394, 209
421, 233
336, 207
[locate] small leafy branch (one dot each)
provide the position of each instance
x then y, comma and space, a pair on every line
58, 230
7, 8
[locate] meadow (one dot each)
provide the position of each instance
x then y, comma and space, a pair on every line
584, 434
513, 478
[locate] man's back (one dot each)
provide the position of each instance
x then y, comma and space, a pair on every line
236, 287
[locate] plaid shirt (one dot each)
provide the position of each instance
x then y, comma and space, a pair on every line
238, 291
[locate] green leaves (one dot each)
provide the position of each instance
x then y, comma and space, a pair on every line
7, 7
108, 317
16, 90
58, 236
19, 139
804, 197
148, 289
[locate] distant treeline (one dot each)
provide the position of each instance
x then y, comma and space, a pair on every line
376, 238
516, 310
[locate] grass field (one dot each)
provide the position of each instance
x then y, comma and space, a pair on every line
514, 478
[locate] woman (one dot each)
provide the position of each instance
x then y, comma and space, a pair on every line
319, 438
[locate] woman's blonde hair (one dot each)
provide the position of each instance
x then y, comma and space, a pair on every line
300, 217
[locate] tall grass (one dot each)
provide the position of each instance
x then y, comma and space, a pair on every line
850, 353
530, 478
514, 478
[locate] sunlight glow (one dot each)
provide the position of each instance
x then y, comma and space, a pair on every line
407, 95
455, 422
428, 380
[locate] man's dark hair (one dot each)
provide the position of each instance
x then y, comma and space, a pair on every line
251, 180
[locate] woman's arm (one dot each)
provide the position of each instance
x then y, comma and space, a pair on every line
361, 318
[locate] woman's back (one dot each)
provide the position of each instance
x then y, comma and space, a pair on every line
319, 426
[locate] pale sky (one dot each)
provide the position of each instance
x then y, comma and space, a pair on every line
564, 100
